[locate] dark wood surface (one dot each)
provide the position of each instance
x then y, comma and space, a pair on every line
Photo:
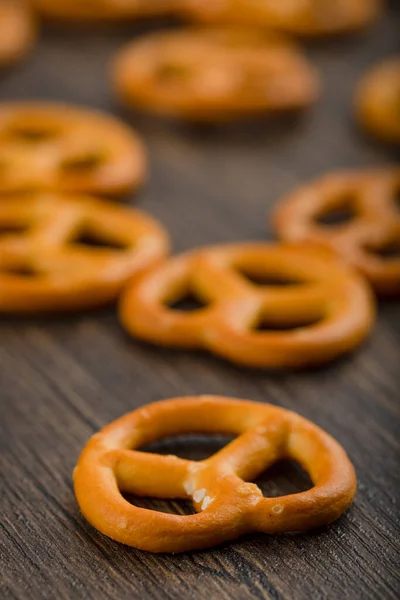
62, 379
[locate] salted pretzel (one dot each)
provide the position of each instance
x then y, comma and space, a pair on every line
227, 506
62, 253
214, 74
377, 100
326, 308
308, 18
368, 240
17, 31
56, 147
104, 10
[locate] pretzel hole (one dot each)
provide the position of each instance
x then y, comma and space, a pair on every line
19, 271
267, 323
388, 252
267, 279
92, 239
31, 134
174, 507
188, 303
343, 213
82, 164
13, 228
283, 478
192, 447
172, 72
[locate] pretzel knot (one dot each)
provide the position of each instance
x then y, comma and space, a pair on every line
67, 252
326, 308
215, 74
53, 147
369, 237
227, 505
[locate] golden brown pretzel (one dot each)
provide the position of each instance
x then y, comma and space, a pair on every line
366, 240
378, 100
45, 265
309, 18
214, 74
104, 10
327, 309
56, 147
227, 505
17, 31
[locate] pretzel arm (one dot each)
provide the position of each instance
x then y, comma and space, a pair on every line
146, 474
254, 451
295, 305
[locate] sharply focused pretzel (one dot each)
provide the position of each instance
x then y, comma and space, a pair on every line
378, 100
104, 10
17, 31
45, 265
214, 74
328, 308
227, 505
310, 18
370, 234
56, 147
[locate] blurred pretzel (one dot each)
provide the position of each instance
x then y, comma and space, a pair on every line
308, 18
368, 240
326, 309
56, 147
104, 10
17, 31
378, 101
51, 254
214, 74
227, 506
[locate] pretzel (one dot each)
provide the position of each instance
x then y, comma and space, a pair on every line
17, 31
45, 265
327, 309
367, 238
227, 506
56, 147
104, 10
214, 74
377, 100
308, 18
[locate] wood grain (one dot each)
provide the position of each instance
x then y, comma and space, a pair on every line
62, 379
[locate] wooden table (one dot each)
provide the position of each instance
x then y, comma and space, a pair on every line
62, 379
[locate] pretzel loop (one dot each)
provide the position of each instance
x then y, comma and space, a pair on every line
227, 504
